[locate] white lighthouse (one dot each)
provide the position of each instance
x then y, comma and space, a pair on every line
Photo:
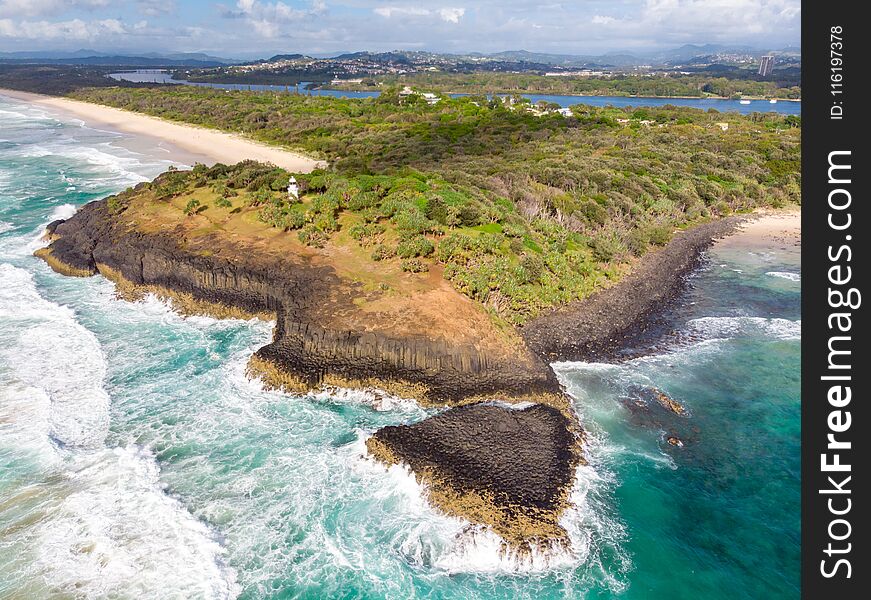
292, 188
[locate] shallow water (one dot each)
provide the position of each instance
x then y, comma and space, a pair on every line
138, 461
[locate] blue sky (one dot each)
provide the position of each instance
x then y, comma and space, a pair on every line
246, 28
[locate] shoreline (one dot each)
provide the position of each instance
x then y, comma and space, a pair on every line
766, 228
182, 143
625, 321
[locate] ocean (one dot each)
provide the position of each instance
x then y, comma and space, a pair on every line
139, 462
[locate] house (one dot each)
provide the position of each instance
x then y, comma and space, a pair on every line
407, 92
566, 112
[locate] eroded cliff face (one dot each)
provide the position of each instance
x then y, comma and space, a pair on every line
312, 307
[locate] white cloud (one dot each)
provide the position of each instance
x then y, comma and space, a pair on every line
153, 8
264, 26
390, 11
39, 8
74, 29
267, 17
447, 14
451, 15
720, 19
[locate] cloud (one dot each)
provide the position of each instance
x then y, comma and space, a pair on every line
75, 29
260, 27
153, 8
447, 14
267, 17
390, 11
451, 15
40, 8
708, 20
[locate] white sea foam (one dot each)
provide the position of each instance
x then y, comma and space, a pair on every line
4, 226
49, 350
105, 160
38, 239
785, 275
730, 327
25, 422
63, 211
378, 399
115, 533
98, 522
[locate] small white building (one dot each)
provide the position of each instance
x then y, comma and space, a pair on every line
566, 112
292, 189
428, 96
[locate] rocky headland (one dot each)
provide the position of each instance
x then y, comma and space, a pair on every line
487, 458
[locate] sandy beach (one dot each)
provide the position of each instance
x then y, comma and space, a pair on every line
185, 144
769, 228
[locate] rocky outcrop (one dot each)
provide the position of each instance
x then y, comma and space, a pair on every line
603, 325
506, 467
310, 346
509, 468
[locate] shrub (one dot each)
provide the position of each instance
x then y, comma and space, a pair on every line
363, 200
415, 246
326, 222
261, 197
116, 204
382, 252
436, 210
414, 265
637, 241
454, 247
605, 247
192, 206
410, 221
468, 215
532, 265
312, 236
363, 231
659, 235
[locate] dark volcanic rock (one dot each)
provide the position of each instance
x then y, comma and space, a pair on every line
519, 461
305, 299
600, 326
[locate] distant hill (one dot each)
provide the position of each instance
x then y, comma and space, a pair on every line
278, 57
687, 54
93, 57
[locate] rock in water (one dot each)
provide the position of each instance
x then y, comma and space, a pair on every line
509, 468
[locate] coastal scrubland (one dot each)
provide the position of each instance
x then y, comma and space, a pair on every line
519, 207
694, 85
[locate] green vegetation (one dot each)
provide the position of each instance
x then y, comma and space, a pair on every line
521, 209
676, 85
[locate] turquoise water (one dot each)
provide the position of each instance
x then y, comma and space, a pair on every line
137, 461
720, 104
